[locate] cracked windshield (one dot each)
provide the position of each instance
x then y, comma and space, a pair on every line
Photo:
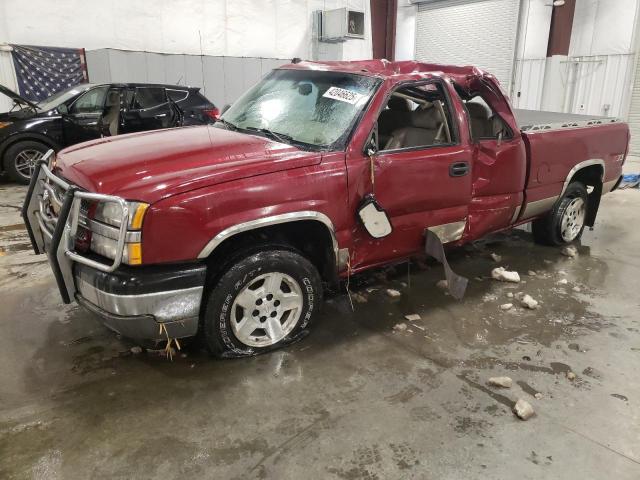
302, 107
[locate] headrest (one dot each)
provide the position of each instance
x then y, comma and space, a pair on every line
399, 104
428, 118
478, 110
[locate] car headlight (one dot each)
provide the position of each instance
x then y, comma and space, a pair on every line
5, 124
104, 241
111, 214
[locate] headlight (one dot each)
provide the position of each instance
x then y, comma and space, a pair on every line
5, 124
104, 240
111, 214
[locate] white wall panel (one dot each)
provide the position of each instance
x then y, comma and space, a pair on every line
469, 32
634, 113
529, 80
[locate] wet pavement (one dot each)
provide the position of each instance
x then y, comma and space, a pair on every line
356, 398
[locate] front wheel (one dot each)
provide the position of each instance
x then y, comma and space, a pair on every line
565, 223
264, 301
20, 159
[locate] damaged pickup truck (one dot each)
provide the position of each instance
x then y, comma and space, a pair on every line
319, 171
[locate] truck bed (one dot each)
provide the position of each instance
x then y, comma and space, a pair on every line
541, 120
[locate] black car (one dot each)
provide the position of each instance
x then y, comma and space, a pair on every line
89, 111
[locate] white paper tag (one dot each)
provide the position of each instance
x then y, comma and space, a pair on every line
342, 95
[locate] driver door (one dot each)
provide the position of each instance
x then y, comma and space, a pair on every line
150, 109
421, 173
83, 121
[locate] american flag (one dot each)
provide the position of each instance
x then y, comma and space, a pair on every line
43, 71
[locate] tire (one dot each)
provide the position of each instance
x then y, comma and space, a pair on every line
246, 312
20, 159
565, 223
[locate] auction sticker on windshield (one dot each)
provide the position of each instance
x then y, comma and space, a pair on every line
343, 95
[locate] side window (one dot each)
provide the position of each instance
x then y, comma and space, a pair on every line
149, 97
177, 95
128, 98
91, 102
415, 116
485, 123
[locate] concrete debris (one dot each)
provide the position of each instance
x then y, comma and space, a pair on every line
442, 284
136, 350
527, 301
571, 376
509, 294
532, 273
563, 281
548, 262
523, 409
496, 258
561, 272
393, 293
538, 396
502, 382
414, 317
358, 297
570, 251
503, 275
506, 306
577, 289
399, 327
489, 297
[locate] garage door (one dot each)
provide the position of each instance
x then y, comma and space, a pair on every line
469, 32
634, 113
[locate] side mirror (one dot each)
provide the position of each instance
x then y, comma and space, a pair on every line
225, 108
373, 217
63, 109
371, 147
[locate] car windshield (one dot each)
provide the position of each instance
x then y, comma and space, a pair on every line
62, 96
302, 106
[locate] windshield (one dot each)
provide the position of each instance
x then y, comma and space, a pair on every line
303, 106
62, 96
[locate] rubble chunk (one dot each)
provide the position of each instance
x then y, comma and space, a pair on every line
571, 376
527, 301
523, 409
577, 289
496, 258
563, 281
136, 350
393, 293
570, 251
532, 273
509, 294
538, 396
506, 306
399, 327
502, 382
442, 284
358, 297
500, 273
414, 317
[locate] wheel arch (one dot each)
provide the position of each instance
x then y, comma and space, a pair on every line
591, 173
312, 233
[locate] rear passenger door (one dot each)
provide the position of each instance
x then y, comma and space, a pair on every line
150, 109
422, 173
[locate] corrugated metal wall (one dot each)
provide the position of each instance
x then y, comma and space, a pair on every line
634, 113
469, 32
222, 79
7, 78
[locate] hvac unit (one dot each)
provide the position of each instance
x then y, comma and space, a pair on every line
340, 24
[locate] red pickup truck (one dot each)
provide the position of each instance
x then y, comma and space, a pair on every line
319, 171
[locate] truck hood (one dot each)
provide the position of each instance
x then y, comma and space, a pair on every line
150, 166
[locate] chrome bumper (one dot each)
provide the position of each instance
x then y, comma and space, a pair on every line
164, 295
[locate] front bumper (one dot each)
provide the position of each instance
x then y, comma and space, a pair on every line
134, 301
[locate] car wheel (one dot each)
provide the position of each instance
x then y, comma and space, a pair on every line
565, 223
264, 301
20, 159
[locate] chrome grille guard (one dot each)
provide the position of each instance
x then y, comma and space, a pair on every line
56, 235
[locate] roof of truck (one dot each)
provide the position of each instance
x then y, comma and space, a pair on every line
386, 69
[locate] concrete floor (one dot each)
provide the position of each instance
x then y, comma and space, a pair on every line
355, 399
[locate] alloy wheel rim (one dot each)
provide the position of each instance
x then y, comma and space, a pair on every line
266, 310
573, 219
26, 162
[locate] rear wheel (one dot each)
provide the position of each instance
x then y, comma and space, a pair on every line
565, 223
20, 159
263, 301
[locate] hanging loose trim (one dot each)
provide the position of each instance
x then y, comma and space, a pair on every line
457, 284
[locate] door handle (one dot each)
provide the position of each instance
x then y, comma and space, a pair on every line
458, 169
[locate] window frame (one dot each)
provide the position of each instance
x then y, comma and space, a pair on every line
185, 91
87, 92
510, 135
453, 126
135, 98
